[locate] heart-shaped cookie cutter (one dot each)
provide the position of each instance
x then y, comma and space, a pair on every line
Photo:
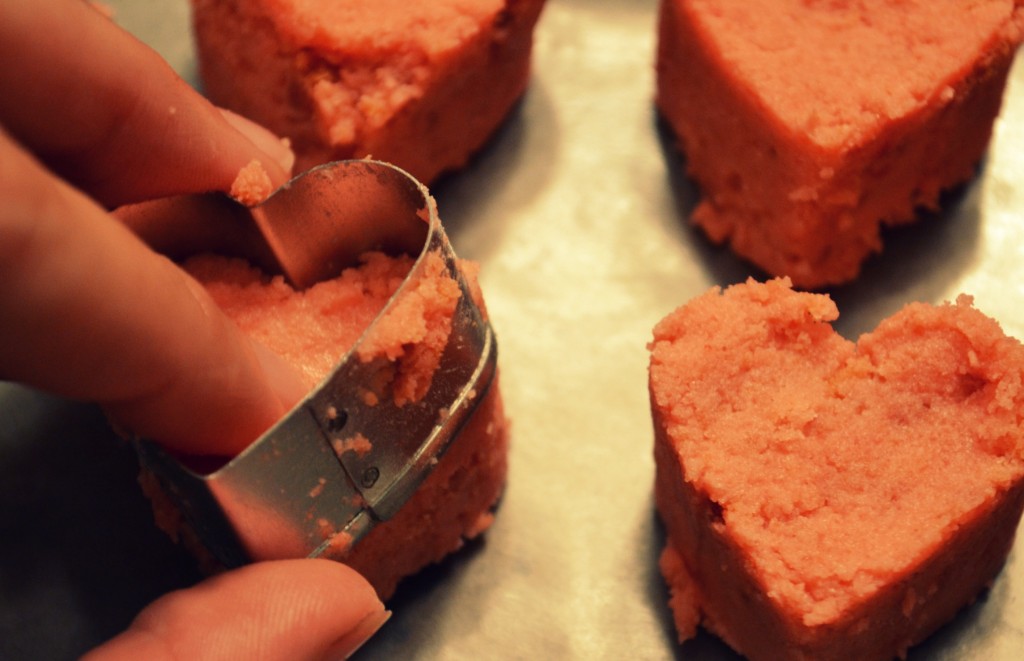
296, 491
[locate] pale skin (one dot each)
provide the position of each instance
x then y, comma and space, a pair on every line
91, 119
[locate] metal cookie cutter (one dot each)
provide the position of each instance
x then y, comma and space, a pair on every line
290, 493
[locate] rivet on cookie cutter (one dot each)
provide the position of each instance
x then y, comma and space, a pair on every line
290, 494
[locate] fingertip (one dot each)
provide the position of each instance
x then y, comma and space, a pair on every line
353, 640
278, 149
285, 609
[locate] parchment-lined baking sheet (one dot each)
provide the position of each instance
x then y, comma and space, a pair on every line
576, 211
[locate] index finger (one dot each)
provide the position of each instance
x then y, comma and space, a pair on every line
106, 112
88, 311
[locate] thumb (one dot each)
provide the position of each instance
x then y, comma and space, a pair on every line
288, 609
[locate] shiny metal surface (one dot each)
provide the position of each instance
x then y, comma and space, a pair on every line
292, 493
576, 211
346, 207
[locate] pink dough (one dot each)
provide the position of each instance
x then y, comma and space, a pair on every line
825, 499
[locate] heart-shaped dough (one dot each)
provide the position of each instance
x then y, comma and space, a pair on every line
809, 123
422, 85
825, 499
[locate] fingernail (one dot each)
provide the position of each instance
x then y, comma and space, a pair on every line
264, 140
284, 379
350, 643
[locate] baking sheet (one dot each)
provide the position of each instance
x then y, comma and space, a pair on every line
576, 210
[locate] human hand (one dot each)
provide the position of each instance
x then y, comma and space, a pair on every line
286, 609
91, 119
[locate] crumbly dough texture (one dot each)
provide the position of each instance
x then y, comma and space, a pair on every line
313, 330
418, 84
811, 124
825, 499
